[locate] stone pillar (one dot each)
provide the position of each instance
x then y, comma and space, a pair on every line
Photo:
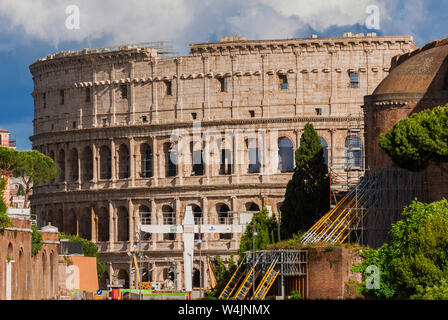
77, 213
112, 94
188, 224
154, 106
131, 220
94, 229
132, 159
113, 161
95, 166
237, 155
156, 161
93, 94
66, 175
179, 95
205, 98
79, 169
131, 100
111, 225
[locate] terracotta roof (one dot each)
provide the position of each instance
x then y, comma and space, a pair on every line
423, 70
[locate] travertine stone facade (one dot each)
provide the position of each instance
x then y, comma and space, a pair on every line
107, 118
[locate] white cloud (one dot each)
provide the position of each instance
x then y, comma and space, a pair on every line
186, 21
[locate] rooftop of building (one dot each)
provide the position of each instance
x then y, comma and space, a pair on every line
423, 70
165, 47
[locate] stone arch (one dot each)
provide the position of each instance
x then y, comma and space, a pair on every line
73, 165
325, 149
224, 217
222, 211
197, 213
85, 223
285, 155
123, 161
104, 281
252, 206
253, 155
169, 217
146, 165
52, 274
171, 158
61, 164
196, 278
44, 276
197, 158
87, 164
145, 217
70, 222
123, 224
105, 163
21, 276
103, 224
122, 275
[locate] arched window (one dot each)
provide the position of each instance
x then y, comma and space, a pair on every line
170, 160
146, 161
123, 278
85, 224
145, 215
225, 164
103, 224
325, 149
354, 151
61, 164
169, 217
123, 224
196, 278
73, 163
285, 155
197, 159
70, 222
253, 155
87, 161
123, 162
105, 163
224, 217
197, 215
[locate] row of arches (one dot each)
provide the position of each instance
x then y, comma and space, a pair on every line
20, 268
80, 223
81, 166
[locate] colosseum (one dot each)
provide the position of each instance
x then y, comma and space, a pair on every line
140, 137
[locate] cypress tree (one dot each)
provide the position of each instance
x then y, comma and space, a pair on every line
307, 195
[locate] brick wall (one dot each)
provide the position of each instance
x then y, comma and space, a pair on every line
32, 277
329, 270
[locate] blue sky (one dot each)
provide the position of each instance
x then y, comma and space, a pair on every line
32, 29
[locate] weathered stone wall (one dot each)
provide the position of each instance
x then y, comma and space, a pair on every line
32, 277
83, 117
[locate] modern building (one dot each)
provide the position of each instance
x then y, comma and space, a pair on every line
139, 137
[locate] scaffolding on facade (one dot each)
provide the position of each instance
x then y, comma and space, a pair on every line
164, 48
367, 212
258, 270
345, 171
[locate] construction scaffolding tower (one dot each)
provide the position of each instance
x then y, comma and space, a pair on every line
258, 271
365, 214
345, 171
